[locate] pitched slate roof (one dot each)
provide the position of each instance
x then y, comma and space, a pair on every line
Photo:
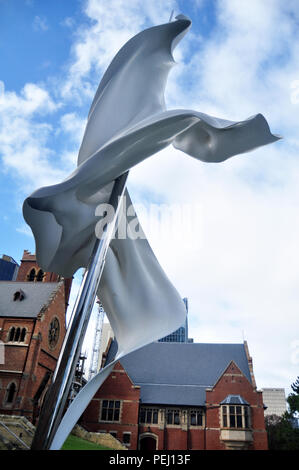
36, 296
179, 373
234, 400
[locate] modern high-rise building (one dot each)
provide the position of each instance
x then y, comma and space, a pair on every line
8, 268
181, 334
178, 336
275, 401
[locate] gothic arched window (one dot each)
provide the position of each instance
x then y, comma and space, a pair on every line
40, 275
31, 275
11, 334
17, 335
10, 392
23, 334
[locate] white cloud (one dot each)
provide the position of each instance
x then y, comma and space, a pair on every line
110, 25
24, 138
32, 99
25, 230
244, 275
40, 23
68, 22
73, 125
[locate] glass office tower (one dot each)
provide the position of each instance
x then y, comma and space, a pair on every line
181, 334
8, 268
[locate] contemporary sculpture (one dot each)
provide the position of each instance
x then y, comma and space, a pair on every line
127, 123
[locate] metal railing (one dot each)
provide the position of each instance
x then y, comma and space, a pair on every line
15, 436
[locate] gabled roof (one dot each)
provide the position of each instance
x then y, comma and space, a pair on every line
179, 373
37, 295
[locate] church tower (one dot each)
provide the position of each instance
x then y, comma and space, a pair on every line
32, 329
29, 271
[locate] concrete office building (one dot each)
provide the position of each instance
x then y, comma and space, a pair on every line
275, 401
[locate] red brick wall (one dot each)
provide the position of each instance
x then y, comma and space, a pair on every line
15, 353
233, 382
41, 357
26, 364
117, 386
176, 439
196, 439
15, 358
28, 262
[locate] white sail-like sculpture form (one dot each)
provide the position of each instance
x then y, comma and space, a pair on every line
128, 121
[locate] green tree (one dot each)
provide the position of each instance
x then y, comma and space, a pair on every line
295, 386
293, 399
281, 433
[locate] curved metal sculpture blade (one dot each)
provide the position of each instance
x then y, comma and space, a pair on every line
127, 123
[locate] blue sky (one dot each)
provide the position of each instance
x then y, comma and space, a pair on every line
240, 266
23, 28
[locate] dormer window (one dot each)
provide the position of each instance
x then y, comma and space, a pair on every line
19, 295
235, 412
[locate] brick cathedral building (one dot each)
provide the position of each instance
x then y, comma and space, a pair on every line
165, 396
180, 396
32, 328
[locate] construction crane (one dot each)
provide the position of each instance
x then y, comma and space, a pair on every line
93, 368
